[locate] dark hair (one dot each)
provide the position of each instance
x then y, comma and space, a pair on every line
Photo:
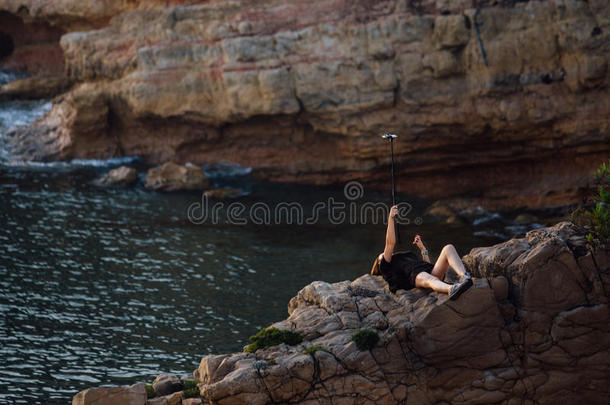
375, 269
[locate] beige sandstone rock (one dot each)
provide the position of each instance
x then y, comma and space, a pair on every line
303, 93
172, 177
120, 176
166, 384
133, 395
192, 401
170, 399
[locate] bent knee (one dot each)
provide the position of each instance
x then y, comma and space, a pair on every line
424, 279
449, 247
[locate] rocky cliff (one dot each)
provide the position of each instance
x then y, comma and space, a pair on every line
501, 100
534, 329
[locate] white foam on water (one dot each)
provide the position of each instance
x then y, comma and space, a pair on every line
74, 163
20, 113
225, 169
493, 216
7, 76
16, 114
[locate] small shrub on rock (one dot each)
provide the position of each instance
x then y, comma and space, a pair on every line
597, 217
190, 389
271, 337
313, 349
150, 392
365, 339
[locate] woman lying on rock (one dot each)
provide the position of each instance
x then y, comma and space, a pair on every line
405, 270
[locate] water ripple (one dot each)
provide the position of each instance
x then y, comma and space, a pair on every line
111, 286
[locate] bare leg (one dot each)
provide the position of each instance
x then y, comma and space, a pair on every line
448, 257
426, 280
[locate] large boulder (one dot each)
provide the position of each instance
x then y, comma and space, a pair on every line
173, 177
133, 395
166, 384
121, 176
417, 329
534, 328
170, 399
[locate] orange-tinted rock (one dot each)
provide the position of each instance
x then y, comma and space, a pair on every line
29, 45
78, 15
302, 92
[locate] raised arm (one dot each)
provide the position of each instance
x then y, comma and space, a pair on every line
390, 235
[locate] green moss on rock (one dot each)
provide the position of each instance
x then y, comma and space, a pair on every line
271, 337
314, 348
365, 339
190, 389
150, 392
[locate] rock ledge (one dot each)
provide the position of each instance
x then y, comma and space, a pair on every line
534, 328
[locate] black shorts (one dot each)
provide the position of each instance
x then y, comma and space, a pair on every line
424, 267
401, 272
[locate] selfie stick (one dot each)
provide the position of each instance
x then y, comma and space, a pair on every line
391, 138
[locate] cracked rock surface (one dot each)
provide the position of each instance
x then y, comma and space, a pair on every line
534, 328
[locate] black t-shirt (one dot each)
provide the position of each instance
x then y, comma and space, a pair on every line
400, 273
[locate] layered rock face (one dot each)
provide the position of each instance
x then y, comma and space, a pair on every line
535, 328
302, 91
31, 46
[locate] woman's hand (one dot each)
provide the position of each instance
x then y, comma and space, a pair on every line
393, 211
417, 241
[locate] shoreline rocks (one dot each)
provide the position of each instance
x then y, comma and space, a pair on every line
534, 328
33, 88
121, 176
126, 395
174, 177
166, 384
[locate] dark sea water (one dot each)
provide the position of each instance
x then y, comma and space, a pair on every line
111, 286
